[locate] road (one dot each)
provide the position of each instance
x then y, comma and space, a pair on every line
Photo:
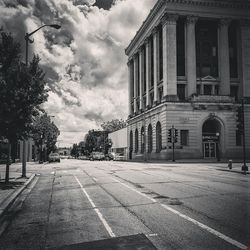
177, 206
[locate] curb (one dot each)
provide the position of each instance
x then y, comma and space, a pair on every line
10, 200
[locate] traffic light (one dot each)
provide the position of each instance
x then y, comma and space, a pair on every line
175, 135
170, 135
240, 119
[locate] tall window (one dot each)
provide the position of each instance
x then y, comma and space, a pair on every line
142, 140
131, 140
150, 138
144, 67
136, 141
234, 92
132, 78
158, 137
184, 137
138, 74
207, 48
233, 53
160, 53
152, 61
180, 37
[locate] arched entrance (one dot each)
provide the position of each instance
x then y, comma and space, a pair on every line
211, 135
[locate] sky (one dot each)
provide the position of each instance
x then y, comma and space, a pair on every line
84, 61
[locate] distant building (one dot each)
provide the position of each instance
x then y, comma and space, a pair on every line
64, 151
189, 66
119, 140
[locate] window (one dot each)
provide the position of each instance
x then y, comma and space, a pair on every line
142, 140
181, 91
150, 138
152, 61
160, 93
232, 37
234, 92
144, 68
131, 140
151, 96
160, 53
132, 78
238, 138
158, 138
136, 141
138, 74
180, 36
207, 48
184, 137
207, 89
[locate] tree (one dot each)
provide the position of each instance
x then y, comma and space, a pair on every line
22, 91
90, 141
45, 132
113, 125
74, 151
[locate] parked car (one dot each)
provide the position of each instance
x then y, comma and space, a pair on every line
97, 156
109, 157
54, 157
119, 157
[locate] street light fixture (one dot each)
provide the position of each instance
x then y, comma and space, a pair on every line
27, 41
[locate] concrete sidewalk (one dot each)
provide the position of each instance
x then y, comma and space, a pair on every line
10, 192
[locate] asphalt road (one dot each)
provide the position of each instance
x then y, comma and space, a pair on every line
177, 206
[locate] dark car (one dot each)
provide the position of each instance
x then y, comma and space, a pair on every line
109, 157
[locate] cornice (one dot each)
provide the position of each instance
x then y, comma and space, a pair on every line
231, 4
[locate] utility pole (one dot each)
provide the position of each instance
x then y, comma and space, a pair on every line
244, 167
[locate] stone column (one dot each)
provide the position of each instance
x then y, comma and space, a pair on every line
135, 82
244, 58
147, 71
141, 76
224, 65
130, 97
156, 51
191, 54
169, 57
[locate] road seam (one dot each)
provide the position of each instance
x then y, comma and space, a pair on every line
104, 222
201, 225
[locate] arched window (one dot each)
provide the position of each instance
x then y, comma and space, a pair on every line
142, 140
136, 141
158, 138
150, 138
131, 140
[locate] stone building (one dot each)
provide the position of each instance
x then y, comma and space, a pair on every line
189, 66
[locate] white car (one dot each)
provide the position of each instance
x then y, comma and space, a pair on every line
54, 157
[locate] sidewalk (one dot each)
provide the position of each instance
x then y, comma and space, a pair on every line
10, 192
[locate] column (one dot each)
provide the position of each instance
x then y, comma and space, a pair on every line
224, 57
191, 54
130, 97
169, 56
244, 58
155, 45
135, 81
147, 71
141, 76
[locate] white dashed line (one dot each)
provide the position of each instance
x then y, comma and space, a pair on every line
104, 222
207, 228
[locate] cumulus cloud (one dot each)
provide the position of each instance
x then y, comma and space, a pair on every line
84, 61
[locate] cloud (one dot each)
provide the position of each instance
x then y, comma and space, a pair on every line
84, 61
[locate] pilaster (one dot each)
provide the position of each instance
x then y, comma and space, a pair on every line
191, 54
147, 71
135, 82
169, 55
141, 77
156, 51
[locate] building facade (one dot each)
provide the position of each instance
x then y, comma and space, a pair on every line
189, 67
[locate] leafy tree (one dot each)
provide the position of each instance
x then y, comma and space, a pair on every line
74, 151
113, 125
45, 132
90, 141
22, 91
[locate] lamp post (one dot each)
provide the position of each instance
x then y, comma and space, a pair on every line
27, 41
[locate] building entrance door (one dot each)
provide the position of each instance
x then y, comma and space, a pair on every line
209, 150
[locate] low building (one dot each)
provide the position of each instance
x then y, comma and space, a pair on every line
189, 67
119, 140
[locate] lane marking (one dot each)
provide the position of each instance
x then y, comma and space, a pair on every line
95, 179
104, 222
197, 223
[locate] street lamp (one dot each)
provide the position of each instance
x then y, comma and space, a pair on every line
27, 41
